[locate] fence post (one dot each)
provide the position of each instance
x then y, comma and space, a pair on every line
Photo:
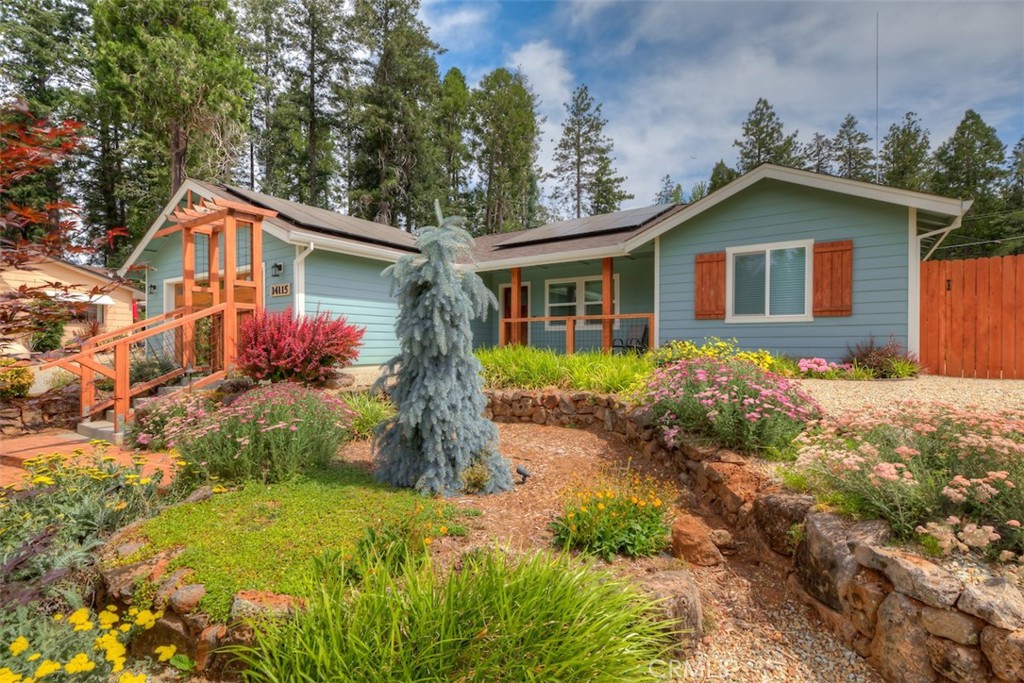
570, 336
87, 386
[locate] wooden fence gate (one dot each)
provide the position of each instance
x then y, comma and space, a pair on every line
972, 317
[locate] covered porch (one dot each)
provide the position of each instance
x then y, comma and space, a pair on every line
605, 304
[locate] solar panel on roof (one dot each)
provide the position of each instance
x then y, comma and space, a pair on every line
586, 226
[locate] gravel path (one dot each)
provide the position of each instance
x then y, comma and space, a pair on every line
837, 396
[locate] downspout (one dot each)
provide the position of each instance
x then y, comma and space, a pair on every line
300, 279
943, 231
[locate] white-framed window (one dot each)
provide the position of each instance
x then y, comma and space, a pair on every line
769, 282
578, 296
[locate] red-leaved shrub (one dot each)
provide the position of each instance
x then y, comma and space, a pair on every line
279, 347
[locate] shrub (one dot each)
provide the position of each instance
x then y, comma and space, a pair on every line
819, 368
51, 527
935, 469
37, 646
368, 410
494, 620
183, 412
269, 434
280, 347
625, 515
49, 337
525, 367
889, 360
713, 347
737, 404
15, 382
61, 379
147, 368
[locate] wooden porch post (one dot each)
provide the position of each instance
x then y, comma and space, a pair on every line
230, 313
607, 306
516, 304
188, 283
122, 385
87, 384
257, 262
214, 274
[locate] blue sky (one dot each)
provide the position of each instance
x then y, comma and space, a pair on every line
677, 78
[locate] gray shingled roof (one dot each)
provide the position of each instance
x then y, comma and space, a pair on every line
324, 221
618, 221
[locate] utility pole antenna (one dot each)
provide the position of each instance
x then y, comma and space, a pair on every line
878, 177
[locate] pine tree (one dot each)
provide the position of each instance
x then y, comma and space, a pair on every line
584, 178
175, 70
397, 159
505, 135
700, 189
763, 140
1011, 224
438, 432
970, 164
818, 154
670, 192
455, 117
903, 159
721, 175
851, 151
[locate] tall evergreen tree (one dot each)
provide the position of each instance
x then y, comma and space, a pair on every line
764, 141
700, 189
174, 68
721, 175
970, 164
506, 130
903, 159
852, 151
438, 432
1010, 225
818, 154
670, 191
397, 160
583, 173
454, 122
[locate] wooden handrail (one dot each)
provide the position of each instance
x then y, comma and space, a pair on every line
562, 318
93, 341
92, 350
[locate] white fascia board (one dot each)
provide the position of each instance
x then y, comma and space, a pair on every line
343, 246
548, 259
160, 220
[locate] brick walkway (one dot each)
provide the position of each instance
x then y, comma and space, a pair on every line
15, 450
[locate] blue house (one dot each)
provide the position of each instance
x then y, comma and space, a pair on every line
787, 260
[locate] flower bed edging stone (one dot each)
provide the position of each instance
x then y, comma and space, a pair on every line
911, 619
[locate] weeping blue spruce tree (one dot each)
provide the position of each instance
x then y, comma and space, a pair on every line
438, 431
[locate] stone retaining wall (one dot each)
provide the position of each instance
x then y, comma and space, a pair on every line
914, 621
52, 410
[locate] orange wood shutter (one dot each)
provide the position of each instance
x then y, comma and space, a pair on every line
709, 287
833, 278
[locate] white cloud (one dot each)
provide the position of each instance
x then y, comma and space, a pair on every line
459, 27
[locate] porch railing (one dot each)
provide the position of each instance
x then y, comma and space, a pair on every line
619, 332
174, 344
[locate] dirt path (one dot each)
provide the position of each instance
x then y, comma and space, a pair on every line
759, 633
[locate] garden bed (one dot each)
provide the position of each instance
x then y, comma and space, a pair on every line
838, 396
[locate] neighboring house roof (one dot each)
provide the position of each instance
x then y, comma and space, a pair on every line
611, 234
103, 276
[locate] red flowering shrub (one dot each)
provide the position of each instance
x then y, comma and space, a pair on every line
279, 347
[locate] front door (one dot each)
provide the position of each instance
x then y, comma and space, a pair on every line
524, 310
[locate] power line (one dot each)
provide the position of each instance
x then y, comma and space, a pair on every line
974, 244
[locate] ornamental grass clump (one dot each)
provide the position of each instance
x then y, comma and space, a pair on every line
526, 367
617, 515
495, 619
734, 403
268, 434
439, 430
951, 475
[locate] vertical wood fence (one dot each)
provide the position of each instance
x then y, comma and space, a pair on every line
972, 317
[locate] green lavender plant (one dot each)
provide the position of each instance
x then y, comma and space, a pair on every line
438, 431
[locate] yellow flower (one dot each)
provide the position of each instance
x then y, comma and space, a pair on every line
219, 489
58, 617
108, 619
80, 663
43, 480
444, 530
146, 480
132, 611
46, 667
85, 626
600, 506
165, 652
125, 627
428, 540
8, 676
19, 645
146, 619
34, 656
657, 502
127, 677
79, 616
121, 505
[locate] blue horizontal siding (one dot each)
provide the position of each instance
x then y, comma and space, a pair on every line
353, 287
772, 211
